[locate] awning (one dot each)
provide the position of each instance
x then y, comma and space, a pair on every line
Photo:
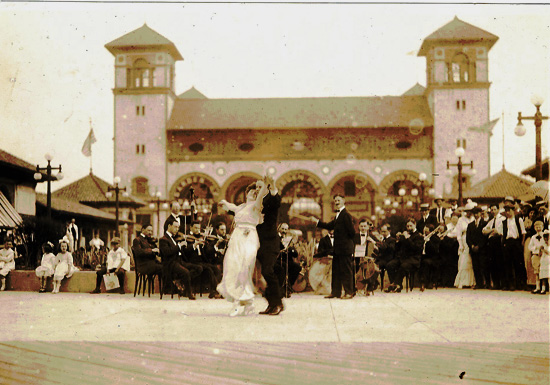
9, 218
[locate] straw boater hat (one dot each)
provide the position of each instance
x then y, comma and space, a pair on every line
424, 206
438, 198
115, 240
470, 206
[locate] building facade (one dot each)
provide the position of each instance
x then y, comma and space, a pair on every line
375, 150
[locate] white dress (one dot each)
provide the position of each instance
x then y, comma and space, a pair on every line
64, 267
465, 276
240, 256
47, 266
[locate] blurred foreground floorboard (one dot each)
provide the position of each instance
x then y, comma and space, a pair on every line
272, 363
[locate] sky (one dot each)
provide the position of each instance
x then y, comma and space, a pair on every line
56, 75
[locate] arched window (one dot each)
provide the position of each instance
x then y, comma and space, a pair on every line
460, 68
141, 74
140, 186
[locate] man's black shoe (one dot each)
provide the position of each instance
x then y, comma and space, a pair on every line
267, 310
348, 296
332, 296
276, 310
95, 291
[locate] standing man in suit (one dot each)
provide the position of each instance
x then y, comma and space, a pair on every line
512, 230
174, 269
476, 243
270, 246
438, 213
182, 219
344, 247
425, 218
493, 249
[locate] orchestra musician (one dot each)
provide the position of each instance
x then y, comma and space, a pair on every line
430, 261
195, 253
174, 268
216, 245
287, 267
183, 219
385, 253
146, 252
326, 245
410, 243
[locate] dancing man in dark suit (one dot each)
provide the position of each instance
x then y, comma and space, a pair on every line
270, 246
174, 269
344, 247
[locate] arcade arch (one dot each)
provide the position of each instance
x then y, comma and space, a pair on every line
359, 190
234, 188
302, 195
206, 192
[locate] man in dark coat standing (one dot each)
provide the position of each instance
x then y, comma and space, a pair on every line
476, 243
270, 246
344, 247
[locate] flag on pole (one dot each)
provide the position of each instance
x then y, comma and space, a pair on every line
485, 128
87, 147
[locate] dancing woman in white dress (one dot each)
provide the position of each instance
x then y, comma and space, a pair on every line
240, 257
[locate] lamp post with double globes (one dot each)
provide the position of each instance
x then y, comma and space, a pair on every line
520, 131
459, 152
109, 194
49, 178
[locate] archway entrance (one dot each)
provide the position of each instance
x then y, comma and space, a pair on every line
205, 192
359, 190
301, 196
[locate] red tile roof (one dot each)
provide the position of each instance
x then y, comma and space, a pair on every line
92, 189
457, 31
143, 38
499, 185
71, 207
417, 89
15, 161
333, 112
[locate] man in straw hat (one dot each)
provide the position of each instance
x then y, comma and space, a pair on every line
118, 262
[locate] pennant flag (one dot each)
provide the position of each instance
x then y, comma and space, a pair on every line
87, 147
485, 128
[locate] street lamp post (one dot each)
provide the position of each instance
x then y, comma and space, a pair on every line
459, 152
109, 194
158, 202
422, 178
49, 179
520, 131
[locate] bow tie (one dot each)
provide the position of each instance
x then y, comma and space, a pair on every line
337, 211
363, 235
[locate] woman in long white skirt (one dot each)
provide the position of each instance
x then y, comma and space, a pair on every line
240, 257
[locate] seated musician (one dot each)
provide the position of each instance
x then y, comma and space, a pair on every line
384, 256
286, 261
195, 253
146, 252
326, 245
174, 269
430, 261
216, 245
410, 246
363, 238
182, 219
